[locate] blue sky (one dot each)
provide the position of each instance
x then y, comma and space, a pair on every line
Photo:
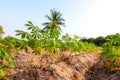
85, 18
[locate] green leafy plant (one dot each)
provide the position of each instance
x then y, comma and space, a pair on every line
1, 31
111, 49
76, 45
12, 44
6, 60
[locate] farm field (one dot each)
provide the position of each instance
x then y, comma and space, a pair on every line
46, 54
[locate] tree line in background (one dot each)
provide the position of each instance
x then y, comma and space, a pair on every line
49, 39
100, 41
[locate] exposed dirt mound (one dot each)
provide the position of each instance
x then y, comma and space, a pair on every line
62, 67
101, 71
47, 67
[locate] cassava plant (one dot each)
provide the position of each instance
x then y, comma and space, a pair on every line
12, 44
6, 61
111, 49
48, 38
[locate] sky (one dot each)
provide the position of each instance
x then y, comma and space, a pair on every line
85, 18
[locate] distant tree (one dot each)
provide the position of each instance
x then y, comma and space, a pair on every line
99, 41
54, 26
91, 40
1, 31
84, 40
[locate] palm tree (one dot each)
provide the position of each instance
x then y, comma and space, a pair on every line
55, 22
1, 31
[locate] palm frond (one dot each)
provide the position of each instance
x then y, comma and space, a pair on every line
49, 18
